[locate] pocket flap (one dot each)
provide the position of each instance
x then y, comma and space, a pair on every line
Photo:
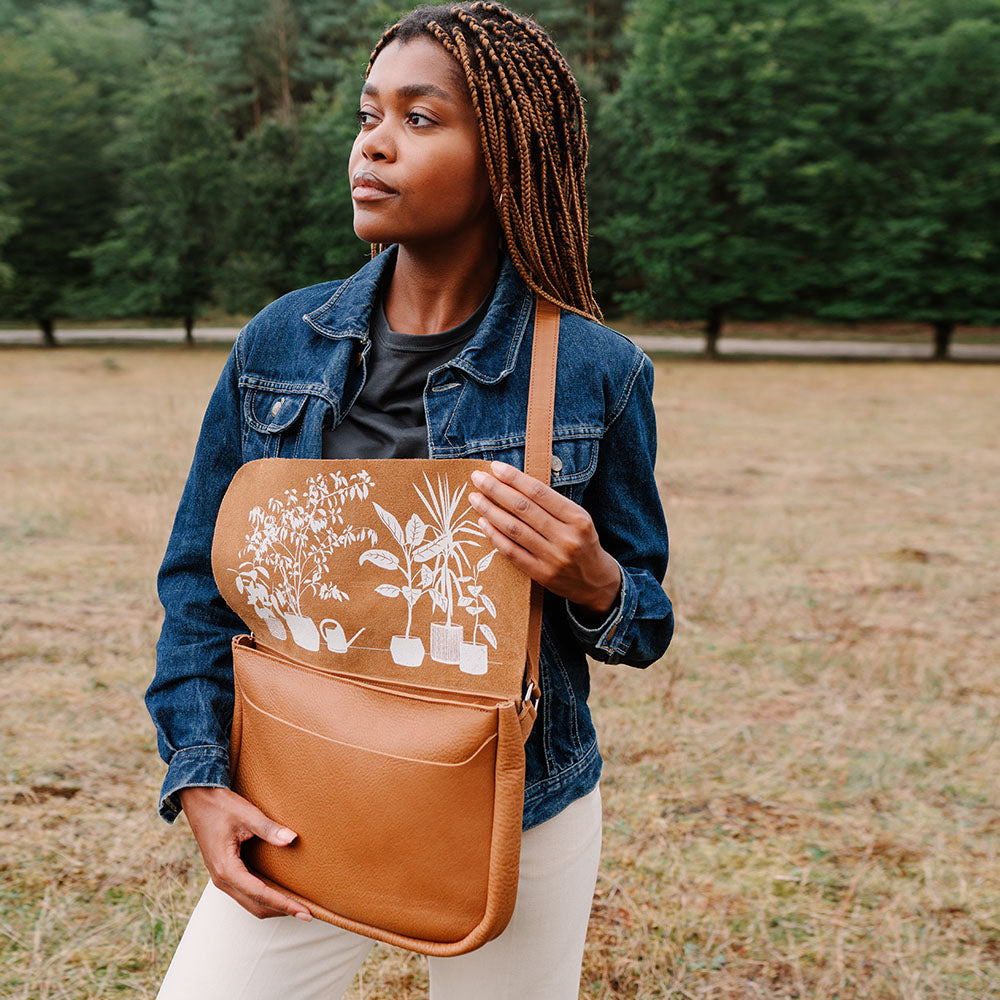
272, 411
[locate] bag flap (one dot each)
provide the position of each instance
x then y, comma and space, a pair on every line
375, 567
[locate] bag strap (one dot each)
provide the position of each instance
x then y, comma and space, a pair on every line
538, 465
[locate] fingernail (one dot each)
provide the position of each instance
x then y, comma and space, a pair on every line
474, 499
284, 836
303, 915
479, 477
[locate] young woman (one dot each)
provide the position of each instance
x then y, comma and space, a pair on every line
469, 166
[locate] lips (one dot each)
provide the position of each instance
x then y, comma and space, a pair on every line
366, 186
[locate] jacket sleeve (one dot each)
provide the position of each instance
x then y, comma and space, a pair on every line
624, 502
191, 696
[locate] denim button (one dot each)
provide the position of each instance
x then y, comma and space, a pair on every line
556, 463
277, 407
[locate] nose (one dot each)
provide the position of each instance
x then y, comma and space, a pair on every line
378, 143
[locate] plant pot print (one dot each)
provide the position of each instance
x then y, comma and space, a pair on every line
407, 651
433, 560
474, 654
274, 624
452, 534
333, 635
410, 540
304, 631
473, 658
446, 642
289, 547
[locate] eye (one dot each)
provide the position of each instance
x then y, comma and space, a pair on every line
365, 118
418, 120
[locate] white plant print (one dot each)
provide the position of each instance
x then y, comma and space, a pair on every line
473, 657
434, 560
289, 547
452, 534
406, 650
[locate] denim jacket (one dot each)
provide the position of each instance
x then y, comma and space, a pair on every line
294, 370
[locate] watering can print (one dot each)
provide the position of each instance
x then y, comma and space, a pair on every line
333, 633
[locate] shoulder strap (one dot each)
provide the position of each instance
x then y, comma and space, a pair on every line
538, 464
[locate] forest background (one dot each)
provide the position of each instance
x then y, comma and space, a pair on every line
750, 159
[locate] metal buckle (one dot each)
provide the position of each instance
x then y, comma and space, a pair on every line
527, 696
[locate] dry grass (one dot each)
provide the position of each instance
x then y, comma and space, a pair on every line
801, 800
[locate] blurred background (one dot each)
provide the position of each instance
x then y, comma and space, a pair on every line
831, 161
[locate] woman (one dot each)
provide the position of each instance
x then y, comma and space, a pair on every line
469, 164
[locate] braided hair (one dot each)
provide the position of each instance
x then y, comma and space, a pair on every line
533, 135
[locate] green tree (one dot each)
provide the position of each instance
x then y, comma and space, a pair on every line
9, 224
932, 250
745, 131
330, 248
337, 38
593, 38
60, 192
106, 48
266, 218
165, 250
215, 39
591, 35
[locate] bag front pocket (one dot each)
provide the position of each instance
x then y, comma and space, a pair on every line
391, 796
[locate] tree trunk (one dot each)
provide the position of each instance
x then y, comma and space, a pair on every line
943, 330
189, 330
591, 59
286, 87
48, 328
713, 330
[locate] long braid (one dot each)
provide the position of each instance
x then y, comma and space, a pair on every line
533, 134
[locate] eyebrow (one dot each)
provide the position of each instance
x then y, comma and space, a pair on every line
412, 90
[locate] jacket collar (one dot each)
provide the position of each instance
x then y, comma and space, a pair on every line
489, 356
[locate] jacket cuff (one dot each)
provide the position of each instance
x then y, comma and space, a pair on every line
203, 766
608, 636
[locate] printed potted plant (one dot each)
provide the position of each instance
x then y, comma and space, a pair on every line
473, 655
290, 545
406, 650
447, 549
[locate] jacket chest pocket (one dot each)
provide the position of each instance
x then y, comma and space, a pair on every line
273, 420
574, 460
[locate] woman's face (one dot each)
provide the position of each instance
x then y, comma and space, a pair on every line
417, 170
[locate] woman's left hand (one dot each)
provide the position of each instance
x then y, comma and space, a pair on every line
546, 535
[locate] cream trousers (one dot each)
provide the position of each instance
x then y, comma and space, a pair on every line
228, 954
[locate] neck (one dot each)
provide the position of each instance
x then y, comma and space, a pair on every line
434, 288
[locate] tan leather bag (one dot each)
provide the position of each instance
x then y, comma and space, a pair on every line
400, 768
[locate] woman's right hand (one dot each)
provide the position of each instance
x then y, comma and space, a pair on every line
221, 821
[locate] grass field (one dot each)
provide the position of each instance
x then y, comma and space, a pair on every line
801, 799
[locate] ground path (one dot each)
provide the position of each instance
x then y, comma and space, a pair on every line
653, 344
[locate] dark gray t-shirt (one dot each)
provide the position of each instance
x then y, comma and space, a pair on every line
387, 419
